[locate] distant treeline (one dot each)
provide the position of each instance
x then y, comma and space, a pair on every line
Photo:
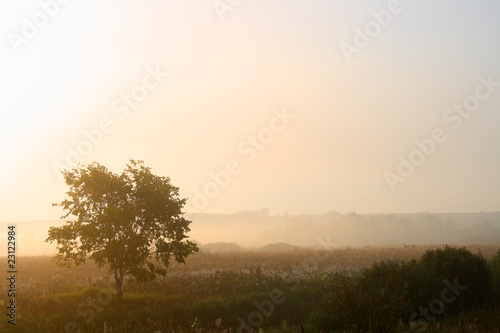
256, 229
253, 230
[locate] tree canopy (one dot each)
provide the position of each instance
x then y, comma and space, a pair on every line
131, 222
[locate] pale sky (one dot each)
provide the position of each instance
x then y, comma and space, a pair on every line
351, 114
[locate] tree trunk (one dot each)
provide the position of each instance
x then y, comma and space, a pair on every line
119, 284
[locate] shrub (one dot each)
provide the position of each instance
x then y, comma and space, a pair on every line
380, 297
495, 272
460, 265
371, 301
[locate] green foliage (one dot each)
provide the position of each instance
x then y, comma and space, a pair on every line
458, 264
379, 298
373, 301
495, 272
130, 222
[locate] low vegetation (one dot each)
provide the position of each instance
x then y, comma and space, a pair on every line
347, 290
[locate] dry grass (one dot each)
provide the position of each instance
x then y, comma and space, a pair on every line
41, 281
40, 275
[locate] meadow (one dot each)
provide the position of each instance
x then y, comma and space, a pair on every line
217, 292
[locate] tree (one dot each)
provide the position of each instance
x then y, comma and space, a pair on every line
131, 222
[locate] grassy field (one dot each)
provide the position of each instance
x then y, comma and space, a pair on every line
212, 292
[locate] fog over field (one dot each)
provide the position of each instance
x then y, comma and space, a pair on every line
254, 229
212, 159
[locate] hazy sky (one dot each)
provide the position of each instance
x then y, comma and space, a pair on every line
311, 106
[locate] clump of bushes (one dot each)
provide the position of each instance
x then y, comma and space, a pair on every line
458, 267
364, 304
389, 294
495, 273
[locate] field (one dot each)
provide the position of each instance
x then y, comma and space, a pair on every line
212, 292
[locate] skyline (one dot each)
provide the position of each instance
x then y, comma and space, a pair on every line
302, 107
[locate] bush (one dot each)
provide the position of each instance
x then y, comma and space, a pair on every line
388, 293
495, 272
458, 266
371, 301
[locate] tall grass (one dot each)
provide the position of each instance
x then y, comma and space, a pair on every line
215, 288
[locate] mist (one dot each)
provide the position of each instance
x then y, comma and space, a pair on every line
252, 230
